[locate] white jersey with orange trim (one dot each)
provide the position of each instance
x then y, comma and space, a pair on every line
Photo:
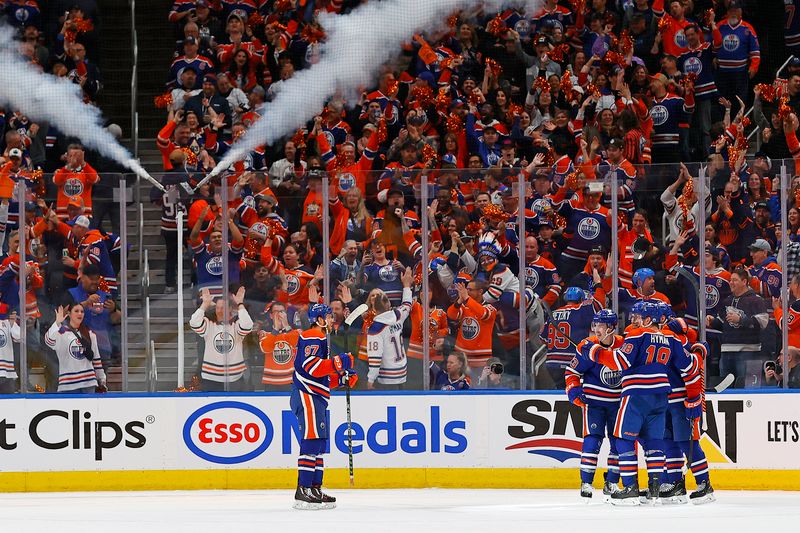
385, 350
223, 345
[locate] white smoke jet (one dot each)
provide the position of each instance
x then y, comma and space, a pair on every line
358, 45
57, 101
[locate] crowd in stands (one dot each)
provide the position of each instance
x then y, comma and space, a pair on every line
568, 100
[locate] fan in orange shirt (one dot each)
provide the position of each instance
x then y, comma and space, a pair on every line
75, 179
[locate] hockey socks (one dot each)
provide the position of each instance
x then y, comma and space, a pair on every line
628, 464
674, 462
589, 452
310, 466
699, 466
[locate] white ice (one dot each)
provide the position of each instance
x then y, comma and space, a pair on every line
384, 511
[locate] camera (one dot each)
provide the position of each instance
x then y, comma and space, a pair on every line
769, 365
497, 368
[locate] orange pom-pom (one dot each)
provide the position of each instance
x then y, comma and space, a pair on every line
709, 16
422, 95
541, 84
382, 133
255, 19
443, 101
299, 139
191, 157
83, 25
454, 123
497, 26
494, 67
626, 42
392, 87
593, 90
312, 34
578, 5
797, 197
163, 101
663, 24
559, 53
514, 110
494, 213
473, 228
571, 181
452, 20
784, 110
767, 92
614, 58
428, 153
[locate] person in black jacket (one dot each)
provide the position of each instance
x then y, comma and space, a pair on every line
209, 98
742, 318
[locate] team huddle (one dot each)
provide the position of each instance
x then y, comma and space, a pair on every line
645, 387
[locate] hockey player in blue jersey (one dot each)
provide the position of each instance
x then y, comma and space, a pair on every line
596, 389
681, 436
316, 372
573, 320
644, 359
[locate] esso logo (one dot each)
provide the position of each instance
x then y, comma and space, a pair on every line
659, 114
680, 39
292, 284
346, 181
470, 328
228, 432
282, 352
223, 342
73, 187
531, 277
214, 266
589, 228
3, 339
611, 378
387, 273
75, 349
730, 42
712, 296
693, 65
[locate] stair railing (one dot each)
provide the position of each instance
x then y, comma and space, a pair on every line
150, 362
134, 81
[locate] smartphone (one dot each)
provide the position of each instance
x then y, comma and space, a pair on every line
769, 365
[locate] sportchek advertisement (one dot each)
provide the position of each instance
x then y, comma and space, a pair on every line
747, 431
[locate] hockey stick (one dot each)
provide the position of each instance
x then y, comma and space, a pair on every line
726, 382
357, 312
349, 433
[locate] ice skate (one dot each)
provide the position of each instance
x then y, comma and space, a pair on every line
703, 494
586, 492
627, 496
673, 493
328, 502
609, 489
306, 500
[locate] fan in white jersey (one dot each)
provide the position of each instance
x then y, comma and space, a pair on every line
385, 350
9, 331
222, 358
79, 367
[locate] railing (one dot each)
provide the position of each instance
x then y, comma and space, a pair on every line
134, 81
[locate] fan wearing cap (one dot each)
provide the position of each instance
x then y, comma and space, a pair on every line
388, 219
14, 170
208, 257
346, 171
264, 212
616, 166
474, 320
189, 59
766, 277
485, 142
739, 56
76, 178
670, 114
238, 39
93, 248
633, 237
207, 100
762, 224
588, 224
403, 174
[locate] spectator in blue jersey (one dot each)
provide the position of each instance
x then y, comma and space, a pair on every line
208, 257
101, 312
453, 376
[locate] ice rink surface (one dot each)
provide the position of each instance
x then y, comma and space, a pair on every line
383, 511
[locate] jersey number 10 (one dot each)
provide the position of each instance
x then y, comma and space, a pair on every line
660, 356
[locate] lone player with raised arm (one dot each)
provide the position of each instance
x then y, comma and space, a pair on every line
316, 372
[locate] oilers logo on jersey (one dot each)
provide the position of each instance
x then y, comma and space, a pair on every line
712, 296
21, 15
330, 137
76, 349
3, 339
692, 65
346, 181
659, 114
214, 266
611, 378
73, 187
730, 42
492, 158
223, 342
312, 210
680, 39
470, 328
523, 27
387, 273
249, 201
540, 206
531, 277
589, 228
281, 352
292, 284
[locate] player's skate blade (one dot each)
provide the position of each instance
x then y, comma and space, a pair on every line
703, 494
609, 489
306, 500
673, 493
586, 492
328, 501
627, 496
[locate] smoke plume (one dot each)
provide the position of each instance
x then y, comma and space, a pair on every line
358, 45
